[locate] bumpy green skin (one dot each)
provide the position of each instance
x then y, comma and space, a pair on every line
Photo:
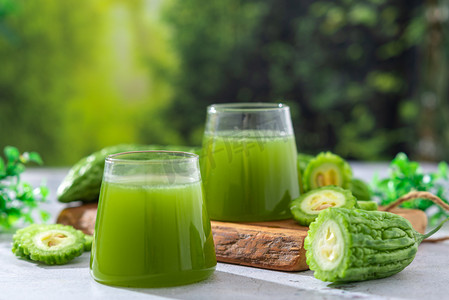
88, 239
377, 244
360, 189
367, 205
343, 168
83, 182
305, 218
24, 244
20, 237
303, 161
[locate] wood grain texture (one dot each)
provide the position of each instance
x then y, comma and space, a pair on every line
276, 245
260, 246
81, 217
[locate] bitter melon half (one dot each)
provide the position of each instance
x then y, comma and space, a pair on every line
83, 182
354, 245
326, 169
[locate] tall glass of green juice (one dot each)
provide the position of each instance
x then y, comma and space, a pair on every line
152, 227
249, 162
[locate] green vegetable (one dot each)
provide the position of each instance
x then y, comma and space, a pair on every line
88, 239
51, 244
19, 237
83, 181
354, 245
306, 208
303, 161
327, 169
360, 189
367, 205
18, 199
406, 176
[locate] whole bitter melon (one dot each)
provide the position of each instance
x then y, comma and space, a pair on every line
303, 161
360, 189
83, 182
354, 245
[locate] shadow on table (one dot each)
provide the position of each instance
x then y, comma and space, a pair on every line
80, 262
222, 285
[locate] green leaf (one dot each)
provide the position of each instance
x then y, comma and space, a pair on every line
406, 176
2, 165
443, 170
45, 216
15, 169
18, 199
28, 218
2, 202
399, 159
13, 211
2, 169
33, 157
12, 154
44, 191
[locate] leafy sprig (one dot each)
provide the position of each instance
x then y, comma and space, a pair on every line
18, 199
406, 176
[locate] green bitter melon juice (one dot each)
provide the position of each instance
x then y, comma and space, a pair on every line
249, 176
151, 233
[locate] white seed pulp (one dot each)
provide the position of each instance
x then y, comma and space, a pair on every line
328, 245
52, 240
326, 174
318, 201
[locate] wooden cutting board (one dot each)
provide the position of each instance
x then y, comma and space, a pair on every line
277, 245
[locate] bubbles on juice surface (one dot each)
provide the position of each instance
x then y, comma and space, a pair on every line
151, 181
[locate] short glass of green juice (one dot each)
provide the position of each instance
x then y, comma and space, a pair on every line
248, 162
152, 227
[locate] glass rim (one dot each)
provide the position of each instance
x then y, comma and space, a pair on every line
247, 107
178, 156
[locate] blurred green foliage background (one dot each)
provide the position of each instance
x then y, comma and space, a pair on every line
364, 78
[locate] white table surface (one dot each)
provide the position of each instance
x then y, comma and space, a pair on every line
427, 277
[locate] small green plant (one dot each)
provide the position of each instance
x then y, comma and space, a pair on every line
18, 199
406, 176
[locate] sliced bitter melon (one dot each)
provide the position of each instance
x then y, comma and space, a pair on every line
327, 169
306, 208
367, 205
50, 244
354, 245
19, 237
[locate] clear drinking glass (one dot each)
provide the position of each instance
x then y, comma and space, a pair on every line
152, 226
249, 162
